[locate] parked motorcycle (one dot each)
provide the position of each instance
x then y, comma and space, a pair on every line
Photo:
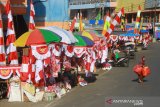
122, 61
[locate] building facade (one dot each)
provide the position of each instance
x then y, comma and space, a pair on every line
149, 10
90, 8
50, 13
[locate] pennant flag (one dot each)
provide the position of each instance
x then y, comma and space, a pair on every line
2, 50
98, 17
106, 24
31, 17
11, 49
137, 21
80, 23
123, 23
73, 24
115, 21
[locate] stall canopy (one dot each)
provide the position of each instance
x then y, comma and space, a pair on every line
83, 41
35, 37
67, 37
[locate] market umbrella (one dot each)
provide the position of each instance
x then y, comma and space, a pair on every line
97, 34
35, 37
67, 37
90, 35
83, 41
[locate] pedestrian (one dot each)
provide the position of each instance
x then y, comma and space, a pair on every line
140, 75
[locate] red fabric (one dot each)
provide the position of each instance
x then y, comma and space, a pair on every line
1, 41
10, 39
24, 75
73, 24
8, 8
137, 69
2, 57
146, 71
12, 56
31, 26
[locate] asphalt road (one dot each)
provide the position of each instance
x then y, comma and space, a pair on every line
120, 81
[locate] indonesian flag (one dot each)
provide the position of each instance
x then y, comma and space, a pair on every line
73, 24
106, 24
2, 51
116, 20
32, 14
137, 20
11, 49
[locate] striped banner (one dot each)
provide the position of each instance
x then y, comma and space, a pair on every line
116, 20
137, 24
11, 49
106, 24
31, 17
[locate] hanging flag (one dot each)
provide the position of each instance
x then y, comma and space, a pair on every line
137, 24
73, 24
115, 21
123, 23
2, 50
31, 17
11, 49
106, 24
80, 23
98, 17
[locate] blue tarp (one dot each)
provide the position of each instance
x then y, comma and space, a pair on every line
141, 31
129, 34
93, 22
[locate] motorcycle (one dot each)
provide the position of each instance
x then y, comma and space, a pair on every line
122, 61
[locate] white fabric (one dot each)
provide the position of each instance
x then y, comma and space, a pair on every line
54, 50
14, 62
39, 68
114, 22
109, 30
10, 31
108, 19
1, 32
24, 68
11, 48
119, 14
104, 55
15, 92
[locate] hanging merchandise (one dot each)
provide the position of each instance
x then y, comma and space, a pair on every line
79, 51
2, 47
42, 54
68, 50
32, 14
55, 65
114, 38
11, 49
56, 49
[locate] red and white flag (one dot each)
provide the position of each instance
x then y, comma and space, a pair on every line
11, 49
2, 50
116, 20
31, 17
73, 24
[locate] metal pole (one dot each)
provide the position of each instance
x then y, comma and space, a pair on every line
154, 24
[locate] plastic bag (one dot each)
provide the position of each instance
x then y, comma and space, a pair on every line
137, 69
146, 71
